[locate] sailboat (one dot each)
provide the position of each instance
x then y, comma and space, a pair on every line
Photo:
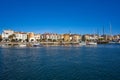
103, 41
113, 41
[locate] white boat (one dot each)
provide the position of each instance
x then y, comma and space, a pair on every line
5, 46
112, 42
82, 43
91, 43
22, 45
37, 45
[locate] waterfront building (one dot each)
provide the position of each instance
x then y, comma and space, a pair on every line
119, 36
58, 37
93, 37
105, 37
86, 37
31, 37
62, 36
66, 37
37, 37
20, 36
100, 38
75, 37
50, 37
116, 37
45, 37
6, 34
54, 37
110, 38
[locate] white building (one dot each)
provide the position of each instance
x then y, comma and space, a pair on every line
37, 37
20, 36
6, 34
51, 36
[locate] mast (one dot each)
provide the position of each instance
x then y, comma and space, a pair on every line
97, 32
110, 29
103, 30
70, 32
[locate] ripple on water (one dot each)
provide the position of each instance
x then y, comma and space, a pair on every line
99, 62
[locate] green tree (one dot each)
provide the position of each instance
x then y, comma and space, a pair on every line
11, 37
54, 40
0, 38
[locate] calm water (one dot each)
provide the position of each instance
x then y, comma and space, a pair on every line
101, 62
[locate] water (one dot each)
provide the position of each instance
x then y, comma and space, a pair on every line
101, 62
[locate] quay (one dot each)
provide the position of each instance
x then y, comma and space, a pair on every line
29, 44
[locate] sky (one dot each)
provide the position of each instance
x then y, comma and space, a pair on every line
60, 16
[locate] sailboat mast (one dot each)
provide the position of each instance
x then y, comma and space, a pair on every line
103, 31
110, 30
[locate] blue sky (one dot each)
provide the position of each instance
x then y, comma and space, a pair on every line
60, 16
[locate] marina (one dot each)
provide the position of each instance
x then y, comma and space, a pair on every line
59, 39
42, 44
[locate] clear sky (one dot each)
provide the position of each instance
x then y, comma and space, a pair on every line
60, 16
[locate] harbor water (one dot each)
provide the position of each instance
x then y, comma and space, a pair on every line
100, 62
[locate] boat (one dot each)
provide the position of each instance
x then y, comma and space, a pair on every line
82, 43
91, 43
115, 41
118, 40
22, 45
4, 46
102, 42
37, 45
112, 42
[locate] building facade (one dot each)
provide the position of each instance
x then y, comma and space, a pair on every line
21, 36
31, 37
6, 34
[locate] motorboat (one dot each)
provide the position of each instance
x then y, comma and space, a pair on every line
82, 43
36, 45
91, 43
22, 45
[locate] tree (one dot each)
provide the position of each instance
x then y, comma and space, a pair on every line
20, 40
54, 40
32, 40
13, 40
43, 40
83, 38
0, 38
38, 40
26, 40
50, 40
11, 37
